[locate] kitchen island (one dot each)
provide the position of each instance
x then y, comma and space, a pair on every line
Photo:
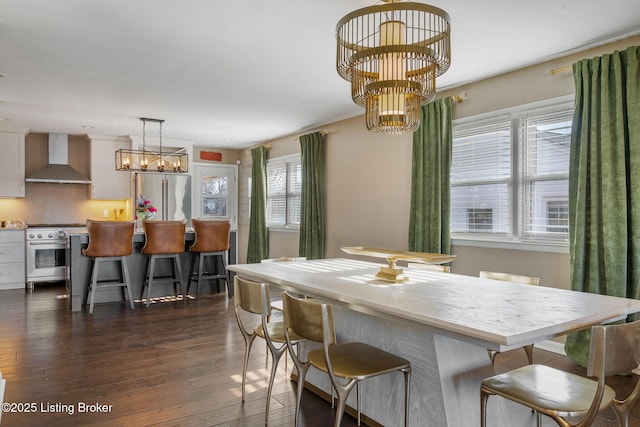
443, 324
78, 270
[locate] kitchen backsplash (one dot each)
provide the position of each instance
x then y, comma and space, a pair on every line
60, 204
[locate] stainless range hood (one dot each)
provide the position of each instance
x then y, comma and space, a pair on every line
58, 170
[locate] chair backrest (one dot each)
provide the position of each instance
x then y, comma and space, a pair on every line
163, 237
430, 267
506, 277
308, 319
212, 235
614, 349
248, 295
109, 238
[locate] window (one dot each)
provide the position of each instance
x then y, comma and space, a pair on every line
558, 216
509, 174
481, 178
214, 196
215, 192
480, 219
284, 187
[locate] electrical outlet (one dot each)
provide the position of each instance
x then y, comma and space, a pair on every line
105, 213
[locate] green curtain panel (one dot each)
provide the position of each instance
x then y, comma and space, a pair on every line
258, 248
604, 182
430, 180
312, 203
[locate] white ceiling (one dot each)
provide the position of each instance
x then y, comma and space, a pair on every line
234, 73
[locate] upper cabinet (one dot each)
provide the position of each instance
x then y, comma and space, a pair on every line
12, 164
106, 182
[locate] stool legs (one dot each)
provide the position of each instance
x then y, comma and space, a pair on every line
127, 278
94, 284
219, 270
176, 275
194, 258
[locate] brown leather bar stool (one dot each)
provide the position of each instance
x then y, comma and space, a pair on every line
163, 240
109, 241
212, 240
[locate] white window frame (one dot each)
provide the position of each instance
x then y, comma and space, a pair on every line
228, 171
516, 238
279, 162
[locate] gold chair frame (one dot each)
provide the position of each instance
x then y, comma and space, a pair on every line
353, 361
614, 349
253, 297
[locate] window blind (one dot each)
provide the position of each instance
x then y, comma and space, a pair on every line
284, 186
509, 174
480, 179
547, 140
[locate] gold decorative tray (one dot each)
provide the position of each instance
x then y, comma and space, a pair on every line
393, 273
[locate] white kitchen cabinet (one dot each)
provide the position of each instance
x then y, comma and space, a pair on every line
12, 259
12, 164
106, 181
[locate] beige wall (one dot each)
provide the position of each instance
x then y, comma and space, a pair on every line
368, 177
229, 157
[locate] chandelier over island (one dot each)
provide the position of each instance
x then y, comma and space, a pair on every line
392, 53
151, 161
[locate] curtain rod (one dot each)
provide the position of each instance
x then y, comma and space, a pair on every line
322, 132
459, 98
560, 70
267, 146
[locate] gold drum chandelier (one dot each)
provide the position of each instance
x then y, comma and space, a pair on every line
392, 53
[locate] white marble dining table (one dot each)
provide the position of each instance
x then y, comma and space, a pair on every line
443, 323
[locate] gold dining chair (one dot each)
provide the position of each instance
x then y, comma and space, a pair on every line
614, 349
513, 278
253, 297
353, 361
277, 304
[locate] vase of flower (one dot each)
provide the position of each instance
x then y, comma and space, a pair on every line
144, 210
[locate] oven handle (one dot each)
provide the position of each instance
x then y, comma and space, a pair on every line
47, 244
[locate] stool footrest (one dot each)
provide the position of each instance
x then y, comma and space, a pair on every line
110, 284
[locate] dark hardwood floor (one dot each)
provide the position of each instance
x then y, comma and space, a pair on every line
173, 364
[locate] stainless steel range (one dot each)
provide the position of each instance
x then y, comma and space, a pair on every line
46, 248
